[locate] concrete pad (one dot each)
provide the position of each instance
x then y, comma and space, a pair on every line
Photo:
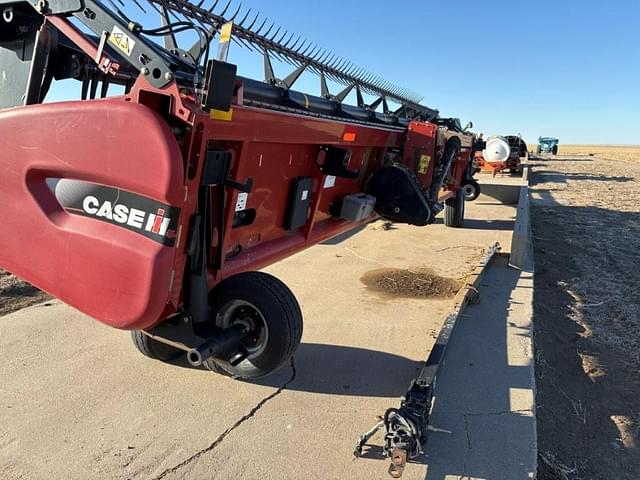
78, 401
485, 394
504, 188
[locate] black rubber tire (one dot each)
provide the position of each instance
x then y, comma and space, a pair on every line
152, 348
471, 190
514, 171
554, 150
454, 210
280, 311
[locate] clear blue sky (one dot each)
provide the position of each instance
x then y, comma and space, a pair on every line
569, 68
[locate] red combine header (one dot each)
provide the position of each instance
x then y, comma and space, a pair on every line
152, 211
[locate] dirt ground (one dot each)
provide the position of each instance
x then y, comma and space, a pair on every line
605, 152
16, 294
586, 235
415, 282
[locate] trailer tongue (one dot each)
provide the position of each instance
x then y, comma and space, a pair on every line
152, 211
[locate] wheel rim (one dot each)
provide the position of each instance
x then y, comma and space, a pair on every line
246, 313
469, 190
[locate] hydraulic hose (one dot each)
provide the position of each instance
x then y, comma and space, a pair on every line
450, 151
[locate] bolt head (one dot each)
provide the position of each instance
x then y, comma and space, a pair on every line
168, 76
145, 71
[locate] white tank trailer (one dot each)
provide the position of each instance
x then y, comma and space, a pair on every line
497, 150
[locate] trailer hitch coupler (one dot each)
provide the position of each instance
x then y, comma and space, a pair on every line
223, 345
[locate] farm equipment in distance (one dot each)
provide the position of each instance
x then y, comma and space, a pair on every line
501, 153
547, 145
153, 211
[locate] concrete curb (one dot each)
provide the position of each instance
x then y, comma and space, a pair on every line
486, 394
521, 242
521, 245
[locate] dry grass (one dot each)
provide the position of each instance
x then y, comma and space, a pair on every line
421, 282
626, 153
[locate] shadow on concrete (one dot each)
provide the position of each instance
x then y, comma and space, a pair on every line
489, 224
501, 192
344, 370
344, 236
475, 224
481, 202
339, 370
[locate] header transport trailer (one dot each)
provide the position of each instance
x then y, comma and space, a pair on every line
152, 211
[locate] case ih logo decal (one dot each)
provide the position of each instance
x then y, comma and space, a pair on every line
152, 219
133, 217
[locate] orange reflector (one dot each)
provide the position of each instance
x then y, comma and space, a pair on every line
349, 137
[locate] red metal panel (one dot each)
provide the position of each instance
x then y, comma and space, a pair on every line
113, 274
421, 146
273, 148
255, 125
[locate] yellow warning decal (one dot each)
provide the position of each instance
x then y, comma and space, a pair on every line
225, 32
423, 165
221, 115
121, 40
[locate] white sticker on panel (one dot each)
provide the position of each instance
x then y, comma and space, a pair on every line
329, 181
241, 203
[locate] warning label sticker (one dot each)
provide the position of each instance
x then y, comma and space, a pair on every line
424, 164
329, 181
225, 32
121, 40
241, 202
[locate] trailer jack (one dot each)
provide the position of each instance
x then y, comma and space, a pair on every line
406, 427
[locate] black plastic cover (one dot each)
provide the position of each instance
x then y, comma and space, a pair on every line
221, 80
299, 201
216, 167
399, 196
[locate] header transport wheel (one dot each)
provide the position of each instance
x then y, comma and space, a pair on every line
271, 315
471, 190
454, 210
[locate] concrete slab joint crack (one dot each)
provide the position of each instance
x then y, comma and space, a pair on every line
236, 424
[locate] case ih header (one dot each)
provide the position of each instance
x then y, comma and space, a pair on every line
152, 211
